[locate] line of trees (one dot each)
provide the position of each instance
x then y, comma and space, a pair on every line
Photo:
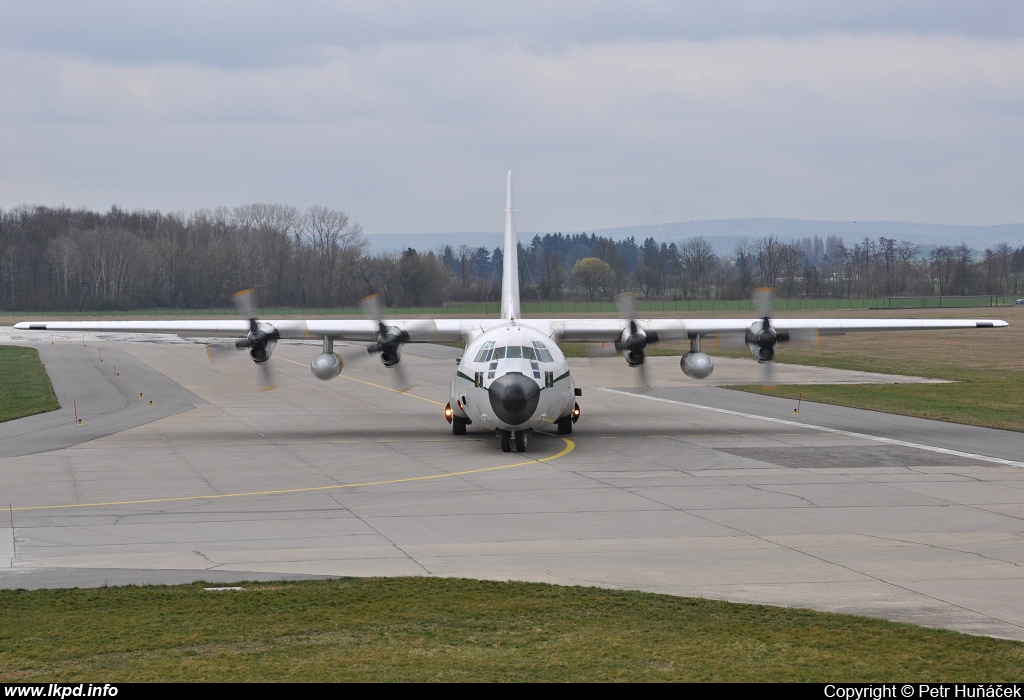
62, 259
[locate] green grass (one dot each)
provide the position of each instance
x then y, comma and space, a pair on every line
433, 629
993, 399
24, 387
985, 366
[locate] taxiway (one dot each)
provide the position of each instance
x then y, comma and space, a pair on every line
688, 489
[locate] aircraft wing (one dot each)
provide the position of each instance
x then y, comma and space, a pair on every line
577, 330
420, 330
581, 330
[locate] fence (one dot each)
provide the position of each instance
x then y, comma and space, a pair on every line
572, 307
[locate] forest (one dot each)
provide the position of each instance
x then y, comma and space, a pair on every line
54, 259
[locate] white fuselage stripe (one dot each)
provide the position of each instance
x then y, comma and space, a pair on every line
821, 428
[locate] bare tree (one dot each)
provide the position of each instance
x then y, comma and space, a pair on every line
332, 240
277, 217
382, 275
906, 253
768, 253
63, 255
697, 260
465, 259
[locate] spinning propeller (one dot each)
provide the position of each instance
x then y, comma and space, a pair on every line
260, 340
634, 340
762, 341
763, 338
390, 340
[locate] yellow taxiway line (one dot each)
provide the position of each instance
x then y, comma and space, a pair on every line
379, 386
569, 447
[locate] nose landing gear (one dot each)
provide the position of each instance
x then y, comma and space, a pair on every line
507, 437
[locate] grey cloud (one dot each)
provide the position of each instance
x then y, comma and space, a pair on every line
410, 137
265, 32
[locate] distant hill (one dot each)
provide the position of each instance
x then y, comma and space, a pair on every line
724, 234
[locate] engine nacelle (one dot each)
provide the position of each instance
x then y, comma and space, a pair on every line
326, 366
390, 359
260, 342
260, 349
762, 353
697, 365
761, 339
633, 344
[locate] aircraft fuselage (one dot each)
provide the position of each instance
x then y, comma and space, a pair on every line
513, 377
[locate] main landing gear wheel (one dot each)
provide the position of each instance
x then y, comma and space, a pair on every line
521, 440
459, 425
506, 441
564, 425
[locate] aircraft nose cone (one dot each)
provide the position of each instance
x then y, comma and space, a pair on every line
514, 398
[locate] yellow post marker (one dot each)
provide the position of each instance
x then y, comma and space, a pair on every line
151, 403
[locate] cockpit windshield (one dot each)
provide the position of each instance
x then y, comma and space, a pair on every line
538, 352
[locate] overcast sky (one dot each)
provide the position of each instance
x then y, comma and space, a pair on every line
407, 115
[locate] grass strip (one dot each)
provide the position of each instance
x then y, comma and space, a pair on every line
25, 389
437, 629
986, 399
988, 388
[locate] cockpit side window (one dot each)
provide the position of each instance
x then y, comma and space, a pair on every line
543, 354
483, 355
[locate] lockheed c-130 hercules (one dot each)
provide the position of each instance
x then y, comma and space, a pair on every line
512, 378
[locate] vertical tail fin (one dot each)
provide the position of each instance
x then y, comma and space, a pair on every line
510, 270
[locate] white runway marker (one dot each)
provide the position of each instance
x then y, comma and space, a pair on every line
823, 429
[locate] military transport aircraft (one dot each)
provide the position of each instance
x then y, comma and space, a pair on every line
512, 378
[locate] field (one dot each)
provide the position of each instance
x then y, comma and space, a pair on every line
987, 367
417, 629
24, 387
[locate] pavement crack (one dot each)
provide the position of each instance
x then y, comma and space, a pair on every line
806, 500
213, 564
74, 482
767, 539
949, 549
390, 541
14, 540
190, 465
901, 587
